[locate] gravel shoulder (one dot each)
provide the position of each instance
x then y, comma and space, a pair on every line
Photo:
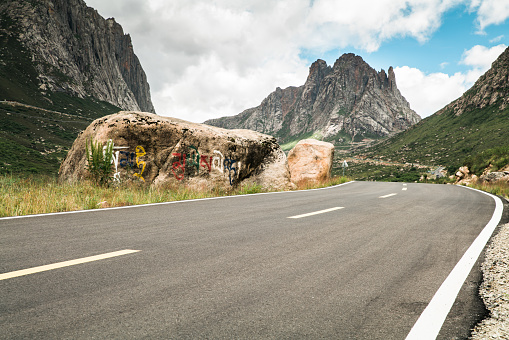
494, 289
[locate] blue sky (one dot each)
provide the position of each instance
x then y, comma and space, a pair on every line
206, 59
457, 34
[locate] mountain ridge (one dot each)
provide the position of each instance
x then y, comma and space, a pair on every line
475, 122
56, 78
345, 102
75, 50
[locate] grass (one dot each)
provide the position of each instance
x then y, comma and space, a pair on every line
295, 139
37, 194
446, 139
500, 188
495, 158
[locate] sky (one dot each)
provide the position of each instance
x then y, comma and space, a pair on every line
212, 58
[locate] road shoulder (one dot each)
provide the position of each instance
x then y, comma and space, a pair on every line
495, 286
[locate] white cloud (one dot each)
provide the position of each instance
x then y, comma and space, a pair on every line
209, 89
427, 93
481, 57
366, 24
490, 12
496, 39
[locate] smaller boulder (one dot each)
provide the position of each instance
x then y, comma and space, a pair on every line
462, 172
310, 161
495, 176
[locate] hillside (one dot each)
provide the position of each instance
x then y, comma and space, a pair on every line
475, 122
347, 102
61, 66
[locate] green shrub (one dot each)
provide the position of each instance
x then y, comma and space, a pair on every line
99, 160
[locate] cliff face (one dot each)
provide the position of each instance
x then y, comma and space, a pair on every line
491, 88
76, 51
348, 99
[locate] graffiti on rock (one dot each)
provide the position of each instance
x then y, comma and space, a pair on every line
122, 158
192, 162
183, 164
140, 152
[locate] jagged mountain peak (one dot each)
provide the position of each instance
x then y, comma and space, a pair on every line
491, 88
340, 103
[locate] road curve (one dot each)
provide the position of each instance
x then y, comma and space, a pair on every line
358, 261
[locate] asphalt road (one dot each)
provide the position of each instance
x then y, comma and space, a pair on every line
240, 268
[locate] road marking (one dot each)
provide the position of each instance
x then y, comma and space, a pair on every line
404, 187
389, 195
316, 212
57, 265
432, 318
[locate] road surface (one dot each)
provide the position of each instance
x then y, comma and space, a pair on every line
357, 261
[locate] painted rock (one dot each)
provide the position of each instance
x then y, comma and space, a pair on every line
156, 150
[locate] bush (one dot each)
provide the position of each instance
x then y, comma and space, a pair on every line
99, 161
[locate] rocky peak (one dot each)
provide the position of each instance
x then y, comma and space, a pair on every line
491, 88
317, 72
392, 79
78, 52
349, 99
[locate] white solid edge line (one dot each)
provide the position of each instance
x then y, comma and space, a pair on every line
432, 318
389, 195
316, 212
57, 265
164, 203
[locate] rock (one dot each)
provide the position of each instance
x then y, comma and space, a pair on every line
349, 98
158, 150
463, 176
491, 88
76, 51
495, 176
462, 172
310, 160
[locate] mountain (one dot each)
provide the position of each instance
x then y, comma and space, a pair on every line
471, 124
62, 65
345, 102
75, 51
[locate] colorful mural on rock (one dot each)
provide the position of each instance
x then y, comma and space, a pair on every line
190, 163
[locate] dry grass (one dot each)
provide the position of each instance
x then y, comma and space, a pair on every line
498, 188
37, 195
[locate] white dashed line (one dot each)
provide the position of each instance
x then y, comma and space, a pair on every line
389, 195
57, 265
316, 212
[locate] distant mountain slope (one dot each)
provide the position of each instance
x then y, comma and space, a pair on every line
341, 103
72, 50
61, 66
477, 121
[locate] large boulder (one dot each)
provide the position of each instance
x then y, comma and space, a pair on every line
311, 161
157, 150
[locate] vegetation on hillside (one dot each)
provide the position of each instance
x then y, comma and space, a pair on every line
495, 158
37, 127
446, 139
35, 140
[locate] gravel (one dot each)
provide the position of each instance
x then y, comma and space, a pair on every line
495, 289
